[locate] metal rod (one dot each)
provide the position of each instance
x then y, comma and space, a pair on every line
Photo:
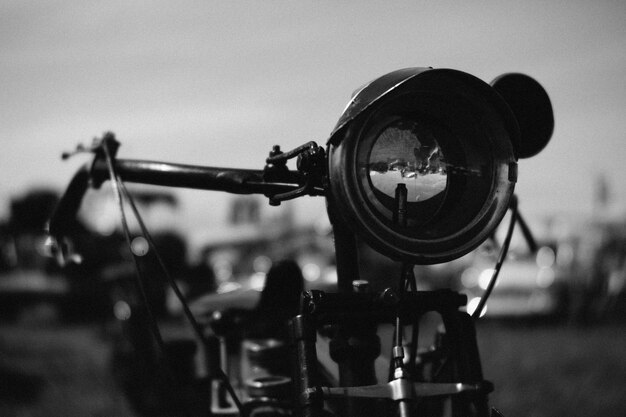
237, 181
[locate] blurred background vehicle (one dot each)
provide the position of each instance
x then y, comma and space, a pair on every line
530, 284
29, 279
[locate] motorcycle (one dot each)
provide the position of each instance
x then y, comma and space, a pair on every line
421, 167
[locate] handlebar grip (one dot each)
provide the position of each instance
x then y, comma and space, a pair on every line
65, 212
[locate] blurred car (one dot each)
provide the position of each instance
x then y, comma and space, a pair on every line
529, 284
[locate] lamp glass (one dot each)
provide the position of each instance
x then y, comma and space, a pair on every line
407, 153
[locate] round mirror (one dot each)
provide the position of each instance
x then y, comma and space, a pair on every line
532, 109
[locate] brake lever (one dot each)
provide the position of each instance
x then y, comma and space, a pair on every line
311, 163
275, 200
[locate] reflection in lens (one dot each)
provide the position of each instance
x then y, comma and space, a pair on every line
405, 153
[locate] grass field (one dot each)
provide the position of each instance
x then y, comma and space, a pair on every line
556, 371
52, 370
48, 371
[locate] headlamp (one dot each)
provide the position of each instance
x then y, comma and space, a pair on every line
423, 162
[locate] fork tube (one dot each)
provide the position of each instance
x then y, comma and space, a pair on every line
305, 373
345, 251
355, 344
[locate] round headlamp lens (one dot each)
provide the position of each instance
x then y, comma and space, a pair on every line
405, 153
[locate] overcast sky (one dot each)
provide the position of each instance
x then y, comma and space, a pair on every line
218, 83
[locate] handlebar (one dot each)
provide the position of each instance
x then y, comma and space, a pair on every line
237, 181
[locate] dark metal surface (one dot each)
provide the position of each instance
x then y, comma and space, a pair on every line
370, 93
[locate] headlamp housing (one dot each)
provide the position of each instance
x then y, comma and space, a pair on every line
444, 138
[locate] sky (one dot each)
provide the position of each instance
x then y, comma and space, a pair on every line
219, 83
